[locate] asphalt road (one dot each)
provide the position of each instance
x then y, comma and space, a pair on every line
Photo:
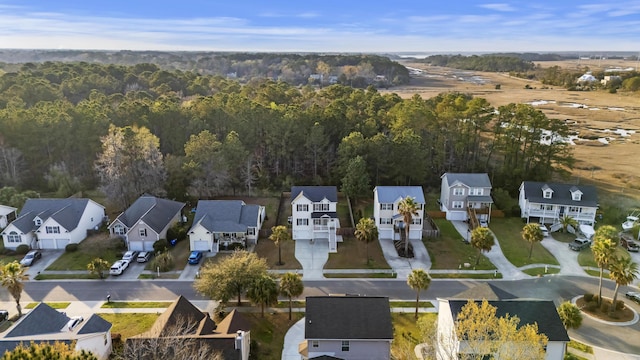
556, 288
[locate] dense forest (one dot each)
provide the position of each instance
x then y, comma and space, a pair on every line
358, 70
128, 130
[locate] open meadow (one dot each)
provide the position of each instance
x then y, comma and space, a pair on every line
607, 125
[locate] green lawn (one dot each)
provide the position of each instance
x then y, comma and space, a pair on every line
514, 247
66, 276
563, 237
541, 271
136, 304
585, 258
466, 276
93, 247
55, 305
449, 251
130, 324
352, 254
406, 334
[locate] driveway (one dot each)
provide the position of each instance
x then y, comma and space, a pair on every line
312, 255
401, 265
293, 337
48, 257
567, 258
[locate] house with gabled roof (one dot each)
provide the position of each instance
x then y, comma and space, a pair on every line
314, 214
7, 215
347, 327
547, 203
219, 224
53, 223
44, 324
386, 212
231, 337
465, 195
540, 312
146, 221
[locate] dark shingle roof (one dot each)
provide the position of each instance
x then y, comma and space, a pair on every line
389, 194
95, 324
315, 193
226, 215
469, 179
542, 312
42, 319
178, 313
155, 212
561, 194
66, 212
348, 317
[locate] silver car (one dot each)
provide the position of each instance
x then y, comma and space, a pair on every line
30, 258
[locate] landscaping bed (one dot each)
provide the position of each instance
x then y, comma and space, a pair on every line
622, 313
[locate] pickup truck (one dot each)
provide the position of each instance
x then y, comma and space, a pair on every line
579, 244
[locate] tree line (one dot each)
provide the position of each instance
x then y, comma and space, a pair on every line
133, 129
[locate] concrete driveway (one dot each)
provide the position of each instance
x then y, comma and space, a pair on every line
567, 258
293, 337
312, 255
48, 257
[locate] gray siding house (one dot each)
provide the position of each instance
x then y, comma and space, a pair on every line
146, 221
347, 327
462, 191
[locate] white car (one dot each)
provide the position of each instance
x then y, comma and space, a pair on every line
130, 255
118, 267
635, 296
484, 223
545, 231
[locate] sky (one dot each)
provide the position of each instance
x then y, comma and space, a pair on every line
375, 26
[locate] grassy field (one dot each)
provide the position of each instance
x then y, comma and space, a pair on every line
268, 250
135, 304
449, 251
352, 254
268, 333
540, 271
508, 231
96, 246
55, 305
130, 324
585, 258
406, 334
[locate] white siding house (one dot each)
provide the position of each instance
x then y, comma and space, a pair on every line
386, 214
547, 203
7, 215
541, 312
314, 214
462, 191
53, 223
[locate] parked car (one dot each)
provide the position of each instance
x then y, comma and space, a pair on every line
30, 258
545, 231
118, 267
629, 244
484, 223
195, 257
143, 256
632, 295
130, 255
4, 315
579, 244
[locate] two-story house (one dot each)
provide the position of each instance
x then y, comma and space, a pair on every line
7, 215
220, 224
466, 195
347, 327
146, 221
540, 312
547, 203
53, 223
314, 214
388, 219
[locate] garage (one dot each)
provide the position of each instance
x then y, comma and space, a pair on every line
456, 215
146, 245
200, 245
302, 234
385, 234
53, 243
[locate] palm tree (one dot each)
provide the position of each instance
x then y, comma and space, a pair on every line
532, 233
623, 271
263, 291
482, 239
603, 248
418, 280
570, 315
408, 208
279, 234
567, 221
366, 231
291, 285
12, 275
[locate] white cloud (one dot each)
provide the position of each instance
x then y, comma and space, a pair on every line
498, 7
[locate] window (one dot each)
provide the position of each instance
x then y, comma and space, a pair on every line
118, 230
386, 206
345, 345
320, 207
546, 207
142, 232
417, 221
13, 237
385, 221
547, 194
575, 209
458, 191
576, 196
52, 229
321, 221
302, 222
251, 231
302, 207
475, 191
314, 343
38, 221
458, 204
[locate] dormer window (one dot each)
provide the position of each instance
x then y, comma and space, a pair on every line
547, 194
38, 221
576, 194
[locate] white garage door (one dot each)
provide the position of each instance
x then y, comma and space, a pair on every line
385, 233
136, 246
147, 245
200, 245
302, 235
61, 243
457, 215
47, 243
